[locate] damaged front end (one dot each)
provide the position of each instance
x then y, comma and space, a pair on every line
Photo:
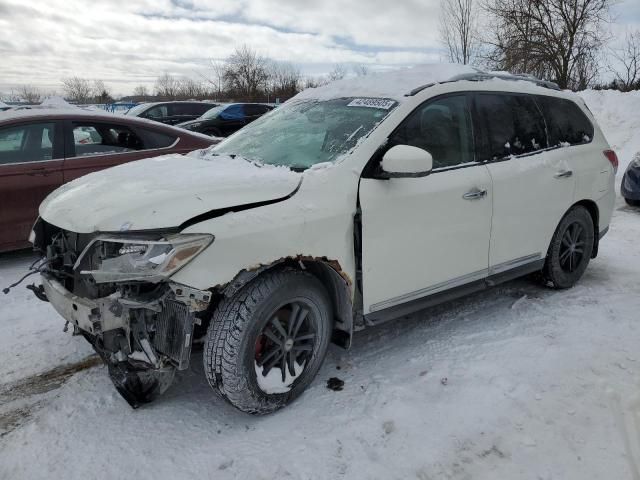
115, 290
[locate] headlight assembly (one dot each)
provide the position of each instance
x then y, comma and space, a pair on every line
120, 259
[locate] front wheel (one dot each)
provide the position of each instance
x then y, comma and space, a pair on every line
570, 249
266, 343
632, 203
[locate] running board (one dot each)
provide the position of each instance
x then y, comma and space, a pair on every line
407, 308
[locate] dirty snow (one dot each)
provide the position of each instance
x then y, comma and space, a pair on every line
518, 382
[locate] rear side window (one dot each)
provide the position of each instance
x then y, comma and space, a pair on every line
187, 109
442, 127
27, 143
159, 111
104, 139
153, 139
566, 123
255, 110
508, 125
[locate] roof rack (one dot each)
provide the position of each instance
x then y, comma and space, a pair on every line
483, 76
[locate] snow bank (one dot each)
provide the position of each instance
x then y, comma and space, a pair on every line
618, 115
394, 84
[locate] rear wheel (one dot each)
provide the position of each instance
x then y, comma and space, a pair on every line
266, 344
570, 249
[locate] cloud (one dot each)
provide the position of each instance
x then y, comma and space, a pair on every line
131, 42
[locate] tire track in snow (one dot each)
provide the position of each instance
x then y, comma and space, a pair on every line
19, 400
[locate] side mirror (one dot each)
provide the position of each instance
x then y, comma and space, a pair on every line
405, 161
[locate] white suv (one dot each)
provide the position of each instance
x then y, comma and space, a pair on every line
349, 205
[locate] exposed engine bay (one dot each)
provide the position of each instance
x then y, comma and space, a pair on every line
115, 291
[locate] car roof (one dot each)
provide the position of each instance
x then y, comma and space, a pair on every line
9, 117
402, 84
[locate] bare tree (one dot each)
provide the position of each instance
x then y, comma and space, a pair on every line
77, 89
360, 70
140, 92
190, 89
555, 39
313, 82
627, 63
338, 72
245, 73
284, 79
100, 92
459, 30
30, 94
166, 87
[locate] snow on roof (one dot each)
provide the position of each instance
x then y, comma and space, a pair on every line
393, 84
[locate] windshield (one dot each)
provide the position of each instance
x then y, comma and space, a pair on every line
137, 109
306, 132
213, 113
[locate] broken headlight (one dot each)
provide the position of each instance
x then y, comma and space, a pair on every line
119, 259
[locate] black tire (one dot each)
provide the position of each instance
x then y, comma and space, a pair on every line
565, 264
632, 203
238, 324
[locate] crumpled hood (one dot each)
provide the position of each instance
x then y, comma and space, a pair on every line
163, 192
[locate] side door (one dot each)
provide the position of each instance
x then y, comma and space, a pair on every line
421, 236
571, 133
532, 184
95, 145
31, 158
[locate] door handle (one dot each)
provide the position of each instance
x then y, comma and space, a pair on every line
563, 174
474, 194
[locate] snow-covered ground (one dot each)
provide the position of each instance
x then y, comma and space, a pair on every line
518, 382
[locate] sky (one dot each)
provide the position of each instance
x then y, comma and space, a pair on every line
131, 42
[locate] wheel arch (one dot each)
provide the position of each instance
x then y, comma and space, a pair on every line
593, 210
329, 272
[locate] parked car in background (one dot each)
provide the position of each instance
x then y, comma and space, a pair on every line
42, 149
170, 113
630, 188
224, 120
353, 203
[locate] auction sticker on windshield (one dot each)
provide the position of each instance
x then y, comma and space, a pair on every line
372, 103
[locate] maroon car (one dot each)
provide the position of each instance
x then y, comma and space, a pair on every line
42, 149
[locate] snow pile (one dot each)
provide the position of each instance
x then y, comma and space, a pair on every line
56, 102
3, 105
618, 115
394, 84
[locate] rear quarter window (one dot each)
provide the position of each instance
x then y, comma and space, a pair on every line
566, 122
155, 139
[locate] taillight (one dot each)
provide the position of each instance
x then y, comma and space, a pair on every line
613, 159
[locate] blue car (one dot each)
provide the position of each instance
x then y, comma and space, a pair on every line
630, 188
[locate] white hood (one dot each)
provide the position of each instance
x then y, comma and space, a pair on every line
163, 192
